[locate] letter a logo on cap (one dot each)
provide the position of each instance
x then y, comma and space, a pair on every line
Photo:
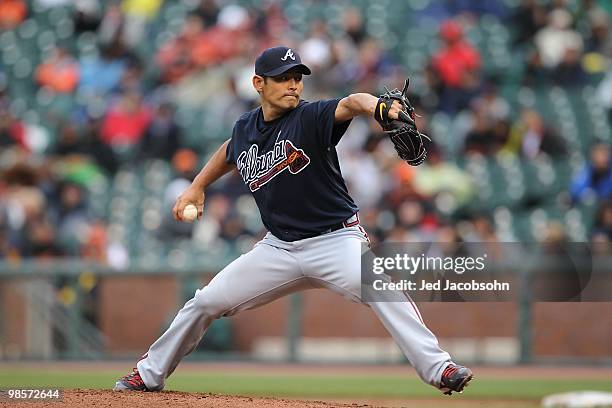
289, 54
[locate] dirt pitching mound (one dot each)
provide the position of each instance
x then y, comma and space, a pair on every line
175, 399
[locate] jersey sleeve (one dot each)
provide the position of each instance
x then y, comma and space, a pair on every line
320, 119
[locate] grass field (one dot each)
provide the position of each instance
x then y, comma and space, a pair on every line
308, 386
325, 383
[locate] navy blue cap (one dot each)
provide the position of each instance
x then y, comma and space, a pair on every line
278, 60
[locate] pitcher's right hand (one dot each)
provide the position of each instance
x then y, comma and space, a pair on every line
192, 195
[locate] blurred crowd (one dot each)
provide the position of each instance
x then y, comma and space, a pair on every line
115, 106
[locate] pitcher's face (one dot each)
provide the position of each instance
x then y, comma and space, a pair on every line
281, 91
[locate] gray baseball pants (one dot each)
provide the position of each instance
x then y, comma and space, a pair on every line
275, 268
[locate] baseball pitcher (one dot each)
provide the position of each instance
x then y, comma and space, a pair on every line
285, 152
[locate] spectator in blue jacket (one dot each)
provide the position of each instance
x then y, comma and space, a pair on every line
595, 179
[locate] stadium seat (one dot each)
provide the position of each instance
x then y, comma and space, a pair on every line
504, 224
477, 168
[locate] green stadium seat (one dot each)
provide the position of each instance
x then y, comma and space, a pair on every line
512, 185
477, 167
156, 176
535, 181
563, 175
28, 29
575, 225
441, 127
597, 115
99, 197
504, 224
538, 221
523, 227
414, 59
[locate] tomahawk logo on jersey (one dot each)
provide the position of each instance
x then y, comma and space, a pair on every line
257, 170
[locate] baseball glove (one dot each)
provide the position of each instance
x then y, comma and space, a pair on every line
407, 140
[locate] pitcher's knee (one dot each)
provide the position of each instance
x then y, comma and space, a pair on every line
209, 303
349, 289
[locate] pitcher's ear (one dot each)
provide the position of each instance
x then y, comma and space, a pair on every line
258, 83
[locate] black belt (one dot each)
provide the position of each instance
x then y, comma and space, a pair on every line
349, 222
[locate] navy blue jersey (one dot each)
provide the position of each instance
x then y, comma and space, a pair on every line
291, 166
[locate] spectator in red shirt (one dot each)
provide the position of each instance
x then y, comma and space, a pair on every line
198, 46
12, 132
455, 65
176, 56
126, 122
12, 13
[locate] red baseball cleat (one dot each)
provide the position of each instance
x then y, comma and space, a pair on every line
131, 382
455, 378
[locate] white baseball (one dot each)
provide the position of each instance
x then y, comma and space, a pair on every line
190, 213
